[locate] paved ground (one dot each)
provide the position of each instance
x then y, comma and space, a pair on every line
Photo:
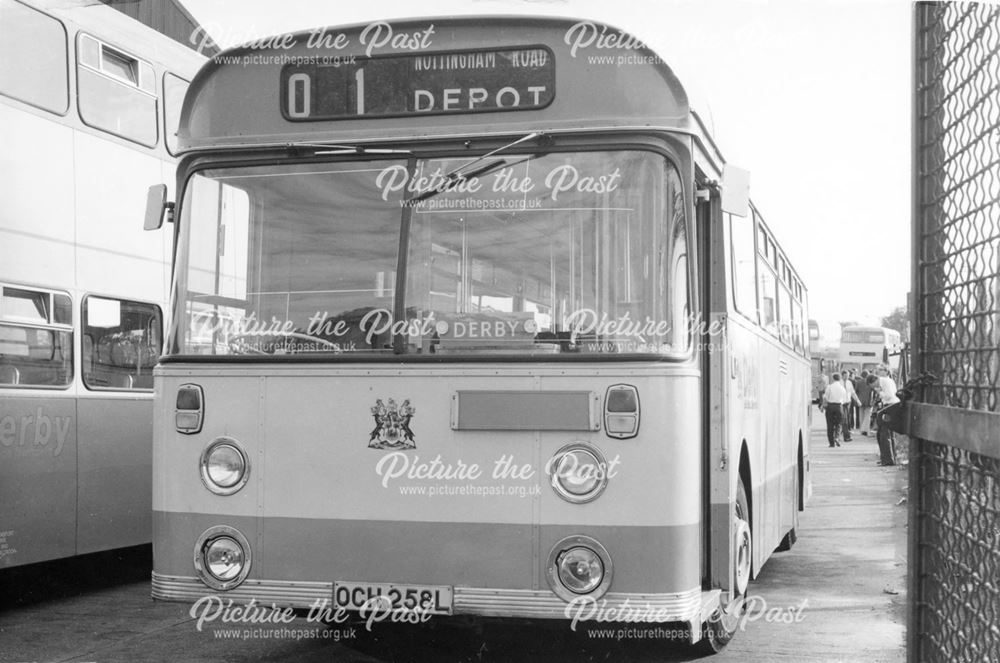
839, 595
849, 564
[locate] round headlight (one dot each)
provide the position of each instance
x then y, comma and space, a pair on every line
579, 473
222, 557
580, 570
224, 466
579, 566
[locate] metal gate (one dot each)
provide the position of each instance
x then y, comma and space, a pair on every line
954, 530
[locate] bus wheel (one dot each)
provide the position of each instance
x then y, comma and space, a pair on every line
742, 541
790, 536
722, 624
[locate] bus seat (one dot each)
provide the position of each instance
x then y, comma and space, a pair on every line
88, 355
120, 380
9, 374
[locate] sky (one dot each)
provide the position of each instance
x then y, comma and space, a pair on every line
811, 96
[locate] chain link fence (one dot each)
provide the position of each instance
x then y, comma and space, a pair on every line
954, 548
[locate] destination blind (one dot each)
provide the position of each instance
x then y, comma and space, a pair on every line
419, 84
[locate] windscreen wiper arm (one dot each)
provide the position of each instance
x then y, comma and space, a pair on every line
335, 148
457, 172
460, 173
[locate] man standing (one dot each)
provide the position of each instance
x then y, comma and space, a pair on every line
856, 382
865, 393
833, 400
849, 409
886, 388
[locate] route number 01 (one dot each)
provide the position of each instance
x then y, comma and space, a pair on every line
300, 86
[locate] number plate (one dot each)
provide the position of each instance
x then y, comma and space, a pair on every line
428, 599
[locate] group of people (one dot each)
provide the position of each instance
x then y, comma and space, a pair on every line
852, 402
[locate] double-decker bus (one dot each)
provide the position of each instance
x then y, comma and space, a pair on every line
864, 348
463, 324
824, 358
89, 106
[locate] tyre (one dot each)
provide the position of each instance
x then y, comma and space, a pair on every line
722, 625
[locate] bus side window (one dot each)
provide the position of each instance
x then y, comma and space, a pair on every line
785, 314
121, 343
767, 301
33, 53
36, 338
116, 92
174, 89
744, 277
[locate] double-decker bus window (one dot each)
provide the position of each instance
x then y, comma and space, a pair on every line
744, 277
36, 339
121, 343
174, 88
862, 336
34, 57
591, 259
116, 92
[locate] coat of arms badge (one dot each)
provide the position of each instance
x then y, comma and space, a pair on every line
392, 425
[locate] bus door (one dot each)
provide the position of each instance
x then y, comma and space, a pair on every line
731, 387
716, 472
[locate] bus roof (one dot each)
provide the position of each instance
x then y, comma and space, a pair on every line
601, 77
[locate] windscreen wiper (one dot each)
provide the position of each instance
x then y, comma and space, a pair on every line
460, 173
457, 172
335, 149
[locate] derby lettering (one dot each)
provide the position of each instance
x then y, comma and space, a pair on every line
37, 430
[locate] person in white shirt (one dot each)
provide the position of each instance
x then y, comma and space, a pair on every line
885, 386
833, 402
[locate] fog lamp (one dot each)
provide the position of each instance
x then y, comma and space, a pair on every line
579, 566
580, 570
222, 557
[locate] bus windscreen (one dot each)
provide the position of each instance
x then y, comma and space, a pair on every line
561, 253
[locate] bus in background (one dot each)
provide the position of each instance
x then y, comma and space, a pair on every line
823, 358
814, 338
89, 106
864, 348
462, 325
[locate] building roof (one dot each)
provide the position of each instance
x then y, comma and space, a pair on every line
168, 17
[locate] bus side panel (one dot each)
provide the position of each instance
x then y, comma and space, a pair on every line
38, 456
36, 226
744, 409
762, 375
110, 204
114, 472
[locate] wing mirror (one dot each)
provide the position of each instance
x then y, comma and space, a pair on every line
158, 207
735, 190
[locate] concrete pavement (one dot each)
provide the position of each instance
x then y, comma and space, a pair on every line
849, 565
